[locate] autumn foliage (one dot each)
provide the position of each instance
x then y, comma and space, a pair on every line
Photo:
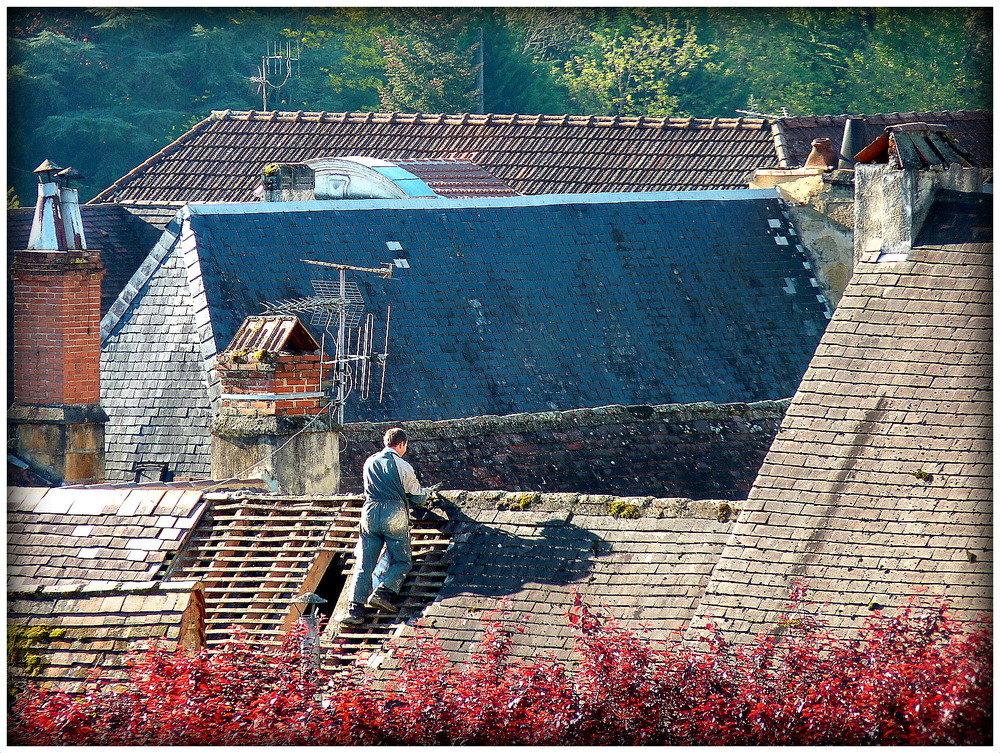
914, 678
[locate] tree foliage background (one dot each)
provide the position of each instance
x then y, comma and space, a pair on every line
103, 89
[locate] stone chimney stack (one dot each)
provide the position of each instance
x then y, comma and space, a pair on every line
56, 421
896, 179
271, 394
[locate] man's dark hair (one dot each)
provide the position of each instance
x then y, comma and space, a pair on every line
394, 437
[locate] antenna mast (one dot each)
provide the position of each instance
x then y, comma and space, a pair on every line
278, 61
354, 355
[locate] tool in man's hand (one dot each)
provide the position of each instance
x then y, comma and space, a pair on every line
422, 508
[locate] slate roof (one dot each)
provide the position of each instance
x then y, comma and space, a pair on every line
248, 555
71, 535
793, 137
157, 398
878, 486
221, 158
123, 237
79, 629
508, 305
526, 555
526, 552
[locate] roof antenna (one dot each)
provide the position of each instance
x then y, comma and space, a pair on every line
341, 301
278, 61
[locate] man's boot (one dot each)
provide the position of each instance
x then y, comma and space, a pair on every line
385, 600
356, 615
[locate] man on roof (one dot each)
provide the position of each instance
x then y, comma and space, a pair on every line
391, 488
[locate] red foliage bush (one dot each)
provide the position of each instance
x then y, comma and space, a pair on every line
915, 678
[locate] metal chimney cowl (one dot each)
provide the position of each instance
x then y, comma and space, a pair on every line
57, 224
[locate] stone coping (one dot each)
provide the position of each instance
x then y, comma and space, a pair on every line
569, 419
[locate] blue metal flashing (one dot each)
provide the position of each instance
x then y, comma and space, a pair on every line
259, 207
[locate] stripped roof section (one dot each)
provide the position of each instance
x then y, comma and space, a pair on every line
256, 553
71, 535
80, 631
221, 158
879, 483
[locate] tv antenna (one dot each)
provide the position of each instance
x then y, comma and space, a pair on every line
341, 301
278, 61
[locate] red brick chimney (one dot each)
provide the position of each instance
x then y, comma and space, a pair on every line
56, 419
271, 392
271, 368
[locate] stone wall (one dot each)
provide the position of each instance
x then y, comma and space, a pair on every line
697, 451
295, 454
822, 209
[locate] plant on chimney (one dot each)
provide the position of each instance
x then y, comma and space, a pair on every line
916, 678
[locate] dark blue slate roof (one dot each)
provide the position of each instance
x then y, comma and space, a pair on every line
525, 308
535, 303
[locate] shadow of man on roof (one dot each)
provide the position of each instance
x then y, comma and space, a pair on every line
489, 561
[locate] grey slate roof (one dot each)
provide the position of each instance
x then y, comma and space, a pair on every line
251, 554
526, 555
878, 486
93, 627
649, 572
155, 391
508, 305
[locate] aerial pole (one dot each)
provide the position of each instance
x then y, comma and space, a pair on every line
277, 61
479, 75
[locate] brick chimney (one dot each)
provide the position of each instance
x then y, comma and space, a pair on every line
56, 422
271, 394
896, 179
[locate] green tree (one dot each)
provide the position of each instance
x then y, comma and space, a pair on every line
635, 72
429, 63
923, 58
833, 61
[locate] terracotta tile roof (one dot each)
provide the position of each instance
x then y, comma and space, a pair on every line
77, 630
456, 178
273, 333
221, 158
973, 129
878, 485
71, 535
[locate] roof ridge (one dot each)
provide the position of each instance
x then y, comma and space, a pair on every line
466, 118
173, 145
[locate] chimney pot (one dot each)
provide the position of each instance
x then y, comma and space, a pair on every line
822, 155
